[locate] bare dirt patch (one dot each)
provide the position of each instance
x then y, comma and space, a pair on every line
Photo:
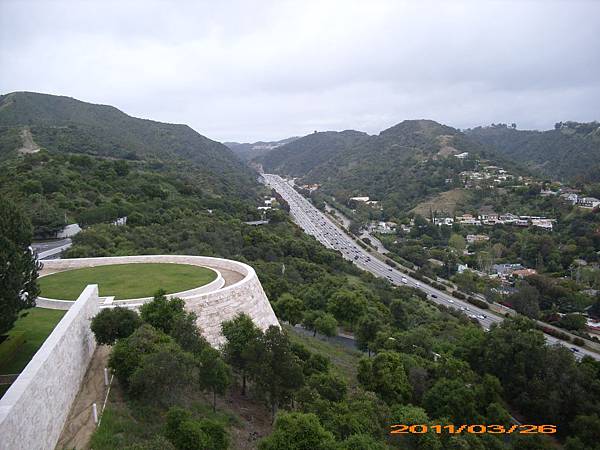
445, 202
29, 145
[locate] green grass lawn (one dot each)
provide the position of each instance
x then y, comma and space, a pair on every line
126, 280
37, 324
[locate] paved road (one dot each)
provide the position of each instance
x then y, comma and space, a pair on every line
317, 224
51, 249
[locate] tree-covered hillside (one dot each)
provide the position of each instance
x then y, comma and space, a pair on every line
402, 165
571, 151
64, 124
303, 155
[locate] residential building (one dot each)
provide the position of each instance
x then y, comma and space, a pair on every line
439, 221
545, 224
476, 238
588, 202
506, 269
523, 273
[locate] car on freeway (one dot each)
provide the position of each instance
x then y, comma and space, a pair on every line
404, 280
433, 296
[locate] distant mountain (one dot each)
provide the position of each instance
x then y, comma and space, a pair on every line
247, 151
64, 124
403, 164
571, 151
303, 155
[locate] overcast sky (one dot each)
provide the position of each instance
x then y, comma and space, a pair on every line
247, 71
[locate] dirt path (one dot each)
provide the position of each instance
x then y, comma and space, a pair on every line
80, 425
29, 146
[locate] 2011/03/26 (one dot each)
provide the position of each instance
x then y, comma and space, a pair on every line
473, 429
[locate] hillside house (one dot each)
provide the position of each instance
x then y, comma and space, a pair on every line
476, 238
588, 202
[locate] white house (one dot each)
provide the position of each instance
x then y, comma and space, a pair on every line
545, 224
588, 202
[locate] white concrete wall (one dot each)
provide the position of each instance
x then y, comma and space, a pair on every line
212, 308
34, 409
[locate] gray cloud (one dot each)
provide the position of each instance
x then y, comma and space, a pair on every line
248, 70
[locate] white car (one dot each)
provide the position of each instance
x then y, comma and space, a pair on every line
404, 280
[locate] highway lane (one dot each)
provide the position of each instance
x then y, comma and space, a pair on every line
317, 224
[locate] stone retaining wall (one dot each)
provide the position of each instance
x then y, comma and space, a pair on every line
212, 307
34, 409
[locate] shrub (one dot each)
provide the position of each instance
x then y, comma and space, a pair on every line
115, 323
186, 433
579, 341
479, 303
191, 436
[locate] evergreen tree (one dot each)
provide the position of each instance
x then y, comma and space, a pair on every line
18, 265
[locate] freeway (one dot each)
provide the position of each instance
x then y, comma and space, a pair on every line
317, 224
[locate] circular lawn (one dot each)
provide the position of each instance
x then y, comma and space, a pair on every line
125, 281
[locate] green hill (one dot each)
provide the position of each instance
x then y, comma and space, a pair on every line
402, 165
85, 163
68, 125
571, 151
303, 155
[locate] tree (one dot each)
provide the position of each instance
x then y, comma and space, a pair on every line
329, 386
413, 415
289, 308
187, 334
385, 375
587, 432
361, 442
575, 322
347, 306
111, 324
326, 325
190, 436
18, 266
126, 355
366, 332
457, 242
298, 431
162, 312
241, 337
168, 370
320, 322
276, 370
526, 300
215, 374
452, 399
399, 313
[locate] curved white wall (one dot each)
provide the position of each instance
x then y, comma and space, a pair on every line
212, 303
